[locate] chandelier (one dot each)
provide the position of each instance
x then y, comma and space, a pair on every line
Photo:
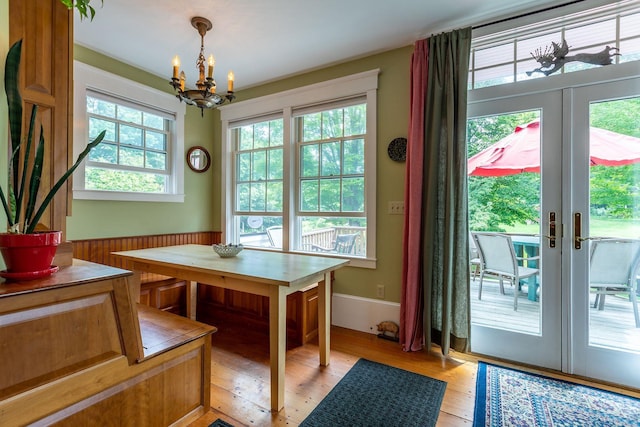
205, 95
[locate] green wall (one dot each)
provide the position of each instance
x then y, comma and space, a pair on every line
96, 219
201, 210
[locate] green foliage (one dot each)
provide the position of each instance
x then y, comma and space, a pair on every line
83, 6
29, 175
500, 203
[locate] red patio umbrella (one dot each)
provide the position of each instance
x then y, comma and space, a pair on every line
520, 151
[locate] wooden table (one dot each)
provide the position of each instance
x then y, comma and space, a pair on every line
266, 273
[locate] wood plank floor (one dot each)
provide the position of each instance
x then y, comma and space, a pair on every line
240, 376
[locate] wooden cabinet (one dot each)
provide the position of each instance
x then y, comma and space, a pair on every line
218, 305
168, 295
45, 26
78, 345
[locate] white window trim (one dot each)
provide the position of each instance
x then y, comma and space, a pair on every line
88, 77
365, 83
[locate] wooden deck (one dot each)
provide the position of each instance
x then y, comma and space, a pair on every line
612, 327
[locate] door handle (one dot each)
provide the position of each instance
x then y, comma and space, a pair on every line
577, 231
552, 230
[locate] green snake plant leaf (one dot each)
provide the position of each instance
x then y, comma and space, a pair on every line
34, 182
14, 101
27, 153
34, 221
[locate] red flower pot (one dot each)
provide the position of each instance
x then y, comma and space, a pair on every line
27, 255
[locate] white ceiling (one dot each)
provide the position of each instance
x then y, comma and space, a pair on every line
265, 40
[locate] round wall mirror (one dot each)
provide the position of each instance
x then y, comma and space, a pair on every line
198, 159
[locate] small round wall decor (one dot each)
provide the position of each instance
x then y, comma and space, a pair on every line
397, 150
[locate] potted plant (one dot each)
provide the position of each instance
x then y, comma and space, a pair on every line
27, 253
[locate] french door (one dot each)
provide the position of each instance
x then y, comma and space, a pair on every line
504, 200
604, 237
583, 201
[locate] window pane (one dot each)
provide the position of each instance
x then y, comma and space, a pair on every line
119, 180
630, 49
310, 160
353, 195
537, 44
156, 140
131, 157
630, 25
243, 168
330, 159
153, 121
259, 162
276, 132
130, 135
130, 115
274, 197
246, 138
258, 196
104, 153
311, 127
156, 161
98, 125
275, 164
330, 195
100, 107
353, 157
259, 231
355, 120
332, 124
319, 234
493, 76
243, 193
493, 55
309, 196
599, 33
261, 135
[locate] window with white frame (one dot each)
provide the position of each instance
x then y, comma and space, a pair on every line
140, 157
508, 56
303, 178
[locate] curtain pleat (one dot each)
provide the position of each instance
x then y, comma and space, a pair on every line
435, 256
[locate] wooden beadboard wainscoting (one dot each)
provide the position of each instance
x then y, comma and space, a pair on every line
215, 305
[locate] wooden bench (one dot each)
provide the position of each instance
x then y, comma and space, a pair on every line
79, 351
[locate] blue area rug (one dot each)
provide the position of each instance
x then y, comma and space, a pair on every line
508, 397
220, 423
373, 394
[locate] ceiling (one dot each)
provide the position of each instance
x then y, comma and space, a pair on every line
266, 40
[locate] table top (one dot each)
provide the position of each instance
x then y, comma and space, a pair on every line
275, 268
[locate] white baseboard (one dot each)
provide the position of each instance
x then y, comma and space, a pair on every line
362, 314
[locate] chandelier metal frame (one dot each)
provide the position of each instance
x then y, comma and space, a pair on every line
205, 95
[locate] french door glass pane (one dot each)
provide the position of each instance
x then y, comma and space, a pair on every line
614, 224
504, 199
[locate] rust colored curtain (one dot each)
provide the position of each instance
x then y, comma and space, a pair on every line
435, 284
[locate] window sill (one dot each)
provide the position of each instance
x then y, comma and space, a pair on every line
127, 197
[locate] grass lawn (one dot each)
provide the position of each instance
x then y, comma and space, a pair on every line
600, 227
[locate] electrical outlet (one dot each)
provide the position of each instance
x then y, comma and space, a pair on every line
380, 291
396, 208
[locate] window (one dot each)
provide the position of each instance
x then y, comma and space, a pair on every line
140, 157
506, 57
302, 175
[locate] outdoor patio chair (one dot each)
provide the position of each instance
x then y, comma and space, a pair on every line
498, 258
474, 258
613, 268
275, 236
343, 244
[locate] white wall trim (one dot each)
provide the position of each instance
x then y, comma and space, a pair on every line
362, 314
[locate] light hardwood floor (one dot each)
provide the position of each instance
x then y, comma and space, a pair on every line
240, 376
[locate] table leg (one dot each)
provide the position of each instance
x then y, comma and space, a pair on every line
192, 295
324, 318
277, 344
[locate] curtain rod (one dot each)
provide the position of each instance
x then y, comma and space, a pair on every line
525, 14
